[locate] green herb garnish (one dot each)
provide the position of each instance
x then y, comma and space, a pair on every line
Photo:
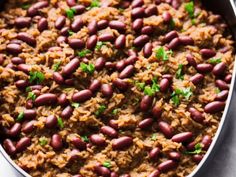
25, 6
31, 96
20, 116
83, 53
37, 77
28, 89
172, 24
179, 73
186, 93
94, 3
99, 45
107, 164
60, 122
175, 99
140, 85
154, 137
56, 66
70, 13
161, 54
150, 91
75, 105
100, 110
217, 90
71, 32
88, 68
189, 7
214, 60
114, 111
43, 141
197, 149
85, 138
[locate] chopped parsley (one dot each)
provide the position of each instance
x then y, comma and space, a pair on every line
37, 77
186, 93
88, 68
56, 66
20, 116
31, 96
28, 89
172, 24
100, 110
25, 6
193, 21
175, 99
217, 90
94, 3
75, 105
150, 91
140, 85
214, 60
107, 164
114, 111
60, 122
179, 73
85, 138
43, 141
99, 45
71, 32
161, 54
189, 7
83, 53
197, 149
70, 13
154, 137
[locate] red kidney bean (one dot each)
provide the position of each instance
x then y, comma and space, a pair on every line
126, 72
137, 12
131, 60
11, 66
32, 11
23, 22
197, 158
182, 137
61, 39
166, 129
164, 85
110, 66
76, 43
155, 173
77, 176
167, 76
154, 153
228, 78
100, 63
206, 142
77, 24
17, 60
67, 112
78, 143
196, 115
22, 144
24, 68
1, 59
42, 24
109, 131
222, 85
167, 165
222, 96
186, 40
197, 79
137, 24
40, 4
91, 42
191, 60
29, 104
114, 174
102, 24
207, 53
191, 146
57, 77
141, 40
147, 30
146, 123
71, 67
204, 68
65, 31
150, 10
21, 84
69, 82
125, 175
132, 52
113, 124
107, 90
14, 49
120, 65
122, 143
167, 17
118, 25
124, 4
60, 22
74, 154
95, 85
156, 112
15, 130
214, 107
46, 99
170, 36
146, 103
106, 37
82, 96
120, 84
97, 140
62, 100
71, 2
79, 9
51, 121
174, 43
175, 4
102, 171
56, 142
219, 69
147, 50
28, 127
36, 87
9, 146
174, 156
137, 3
92, 27
29, 114
120, 42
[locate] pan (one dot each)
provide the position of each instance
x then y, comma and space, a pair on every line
227, 9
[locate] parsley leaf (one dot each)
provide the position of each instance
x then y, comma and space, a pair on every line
75, 105
189, 7
172, 24
140, 85
37, 77
198, 149
88, 68
179, 73
70, 13
60, 122
56, 66
99, 45
214, 60
186, 93
162, 54
100, 110
94, 3
25, 6
83, 53
150, 91
20, 116
107, 164
217, 90
31, 96
175, 99
85, 138
115, 111
43, 141
154, 137
71, 32
28, 89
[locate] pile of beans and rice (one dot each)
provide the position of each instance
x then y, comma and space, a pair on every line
113, 87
